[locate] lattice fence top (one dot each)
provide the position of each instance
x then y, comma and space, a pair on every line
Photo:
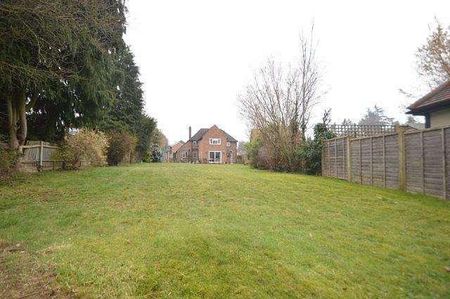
361, 130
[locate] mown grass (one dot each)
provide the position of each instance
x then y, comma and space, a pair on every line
170, 230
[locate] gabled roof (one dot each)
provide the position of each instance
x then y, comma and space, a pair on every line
199, 135
440, 96
229, 137
177, 146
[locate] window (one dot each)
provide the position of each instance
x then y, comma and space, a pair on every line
228, 144
215, 157
184, 155
194, 155
194, 142
215, 141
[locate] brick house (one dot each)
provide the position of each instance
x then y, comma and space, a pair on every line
208, 145
171, 155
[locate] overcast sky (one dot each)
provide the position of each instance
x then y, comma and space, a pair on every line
196, 56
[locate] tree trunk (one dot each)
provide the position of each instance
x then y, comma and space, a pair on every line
12, 124
21, 110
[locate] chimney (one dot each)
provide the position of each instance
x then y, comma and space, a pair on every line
190, 132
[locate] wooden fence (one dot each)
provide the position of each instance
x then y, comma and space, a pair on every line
37, 155
414, 161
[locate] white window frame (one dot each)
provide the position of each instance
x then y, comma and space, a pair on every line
194, 142
215, 141
228, 144
214, 161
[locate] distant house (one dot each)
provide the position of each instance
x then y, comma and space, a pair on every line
208, 145
435, 106
173, 150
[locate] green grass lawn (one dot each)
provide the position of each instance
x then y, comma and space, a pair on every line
171, 230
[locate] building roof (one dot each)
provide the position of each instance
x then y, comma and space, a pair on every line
229, 137
199, 135
438, 97
177, 146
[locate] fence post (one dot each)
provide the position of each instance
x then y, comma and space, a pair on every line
41, 153
371, 160
349, 159
401, 157
384, 160
335, 158
444, 163
360, 161
422, 162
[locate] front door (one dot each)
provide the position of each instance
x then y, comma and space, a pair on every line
215, 157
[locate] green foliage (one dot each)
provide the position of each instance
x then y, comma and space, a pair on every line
122, 146
310, 152
252, 149
156, 154
75, 67
8, 162
144, 133
85, 146
304, 157
179, 230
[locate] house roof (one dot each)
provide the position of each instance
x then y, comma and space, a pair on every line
229, 137
199, 135
177, 146
438, 97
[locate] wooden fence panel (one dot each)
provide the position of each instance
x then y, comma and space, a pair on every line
392, 161
432, 159
355, 146
366, 161
378, 161
414, 165
332, 160
415, 161
341, 154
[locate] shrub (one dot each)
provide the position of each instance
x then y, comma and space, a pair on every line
8, 162
252, 148
122, 146
276, 150
84, 146
156, 154
310, 153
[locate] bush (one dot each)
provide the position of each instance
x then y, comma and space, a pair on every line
156, 154
252, 148
86, 145
276, 150
310, 153
122, 146
8, 162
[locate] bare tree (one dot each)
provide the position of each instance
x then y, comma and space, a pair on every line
279, 101
433, 58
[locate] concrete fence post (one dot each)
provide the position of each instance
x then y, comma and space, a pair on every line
401, 157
